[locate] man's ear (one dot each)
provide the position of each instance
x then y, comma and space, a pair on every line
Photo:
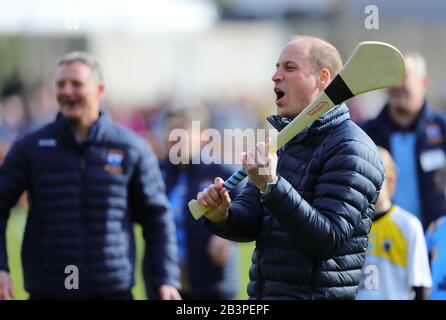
425, 81
101, 89
391, 184
324, 79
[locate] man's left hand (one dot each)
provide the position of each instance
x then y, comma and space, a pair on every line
260, 165
168, 292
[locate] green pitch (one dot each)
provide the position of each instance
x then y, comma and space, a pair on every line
14, 234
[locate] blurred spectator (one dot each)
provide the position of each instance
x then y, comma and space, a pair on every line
415, 135
240, 114
42, 106
236, 115
12, 120
12, 124
13, 117
436, 245
145, 120
209, 264
397, 266
88, 181
12, 113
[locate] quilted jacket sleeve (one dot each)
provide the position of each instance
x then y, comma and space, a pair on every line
245, 217
13, 182
350, 177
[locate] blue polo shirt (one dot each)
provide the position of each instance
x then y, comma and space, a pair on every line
402, 146
436, 245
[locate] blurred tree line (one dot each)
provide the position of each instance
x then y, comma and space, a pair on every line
11, 55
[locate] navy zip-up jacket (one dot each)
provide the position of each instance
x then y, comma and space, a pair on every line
83, 200
311, 230
430, 131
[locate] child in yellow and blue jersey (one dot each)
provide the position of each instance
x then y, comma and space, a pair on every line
397, 264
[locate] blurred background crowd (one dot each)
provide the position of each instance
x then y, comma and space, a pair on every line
217, 53
221, 53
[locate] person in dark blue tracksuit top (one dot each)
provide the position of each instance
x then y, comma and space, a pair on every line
88, 180
415, 134
209, 264
310, 209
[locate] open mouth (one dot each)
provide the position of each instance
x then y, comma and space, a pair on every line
397, 92
70, 103
279, 94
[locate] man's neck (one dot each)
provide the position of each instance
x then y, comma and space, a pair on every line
80, 132
82, 128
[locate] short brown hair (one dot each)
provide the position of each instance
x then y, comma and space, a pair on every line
389, 166
85, 58
323, 55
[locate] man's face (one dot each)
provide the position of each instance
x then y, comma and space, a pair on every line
408, 98
295, 81
77, 92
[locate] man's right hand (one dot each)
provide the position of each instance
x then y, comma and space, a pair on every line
6, 289
217, 199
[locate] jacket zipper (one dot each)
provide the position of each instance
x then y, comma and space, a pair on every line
261, 258
267, 239
261, 255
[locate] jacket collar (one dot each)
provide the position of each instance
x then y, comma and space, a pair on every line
328, 120
96, 132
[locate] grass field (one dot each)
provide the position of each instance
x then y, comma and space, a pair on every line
14, 234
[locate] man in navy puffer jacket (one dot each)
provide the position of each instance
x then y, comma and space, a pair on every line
88, 180
309, 211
